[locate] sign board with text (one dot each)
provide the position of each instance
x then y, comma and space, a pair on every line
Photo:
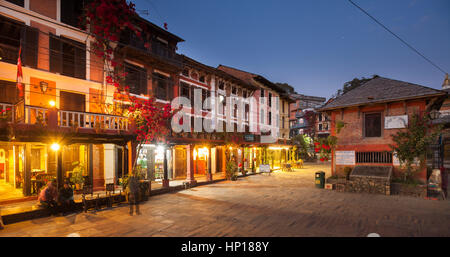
345, 157
393, 122
264, 168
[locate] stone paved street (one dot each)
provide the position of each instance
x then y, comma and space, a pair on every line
282, 204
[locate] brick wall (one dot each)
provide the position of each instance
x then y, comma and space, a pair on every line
351, 136
96, 67
44, 7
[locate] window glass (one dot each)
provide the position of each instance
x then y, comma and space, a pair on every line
20, 3
163, 86
71, 10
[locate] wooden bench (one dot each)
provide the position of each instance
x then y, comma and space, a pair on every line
112, 196
89, 203
298, 164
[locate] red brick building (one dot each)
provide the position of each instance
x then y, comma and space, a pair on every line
365, 118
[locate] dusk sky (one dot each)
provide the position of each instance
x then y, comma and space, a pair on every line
314, 46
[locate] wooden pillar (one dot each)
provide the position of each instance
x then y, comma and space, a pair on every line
252, 159
190, 164
27, 171
91, 164
131, 155
209, 173
165, 181
59, 171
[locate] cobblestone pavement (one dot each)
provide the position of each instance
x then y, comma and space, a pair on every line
282, 204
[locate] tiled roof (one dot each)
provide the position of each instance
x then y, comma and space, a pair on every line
252, 79
381, 90
243, 75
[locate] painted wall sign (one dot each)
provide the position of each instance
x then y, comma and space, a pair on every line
249, 137
345, 157
393, 122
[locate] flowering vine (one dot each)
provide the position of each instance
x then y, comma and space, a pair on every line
107, 19
324, 146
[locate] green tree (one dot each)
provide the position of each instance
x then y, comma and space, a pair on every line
411, 144
350, 85
302, 143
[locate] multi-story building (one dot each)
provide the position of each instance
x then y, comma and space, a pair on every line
369, 115
65, 120
303, 117
70, 120
271, 116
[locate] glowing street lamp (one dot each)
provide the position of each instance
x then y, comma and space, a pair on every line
55, 147
52, 103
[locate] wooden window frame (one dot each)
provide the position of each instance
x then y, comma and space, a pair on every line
381, 124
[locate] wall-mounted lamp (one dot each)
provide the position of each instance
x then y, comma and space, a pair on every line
44, 86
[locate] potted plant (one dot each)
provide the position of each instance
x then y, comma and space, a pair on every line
77, 176
5, 116
231, 170
243, 171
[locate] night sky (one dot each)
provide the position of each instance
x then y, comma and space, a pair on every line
314, 46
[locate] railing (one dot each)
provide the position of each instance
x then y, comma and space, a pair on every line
157, 48
7, 110
91, 120
373, 157
36, 115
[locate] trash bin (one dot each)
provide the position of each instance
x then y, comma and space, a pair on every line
320, 179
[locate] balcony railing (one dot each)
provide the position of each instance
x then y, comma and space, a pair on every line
37, 115
7, 111
91, 120
156, 48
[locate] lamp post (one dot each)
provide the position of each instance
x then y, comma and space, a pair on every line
56, 148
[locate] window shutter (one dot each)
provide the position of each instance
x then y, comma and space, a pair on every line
372, 125
30, 47
55, 54
80, 61
143, 81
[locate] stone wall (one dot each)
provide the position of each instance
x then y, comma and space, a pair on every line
409, 190
368, 185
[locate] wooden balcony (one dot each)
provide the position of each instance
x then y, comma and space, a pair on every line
60, 121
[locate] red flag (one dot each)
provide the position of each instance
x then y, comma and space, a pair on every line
165, 25
19, 75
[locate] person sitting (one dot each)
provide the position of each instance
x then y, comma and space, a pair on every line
1, 222
47, 197
65, 198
